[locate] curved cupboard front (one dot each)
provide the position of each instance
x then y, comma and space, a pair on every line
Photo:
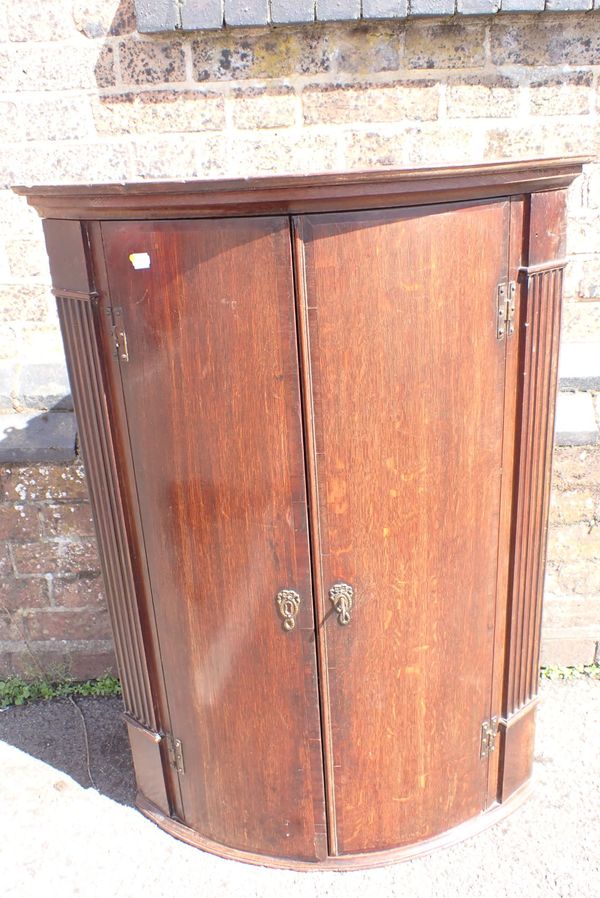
316, 416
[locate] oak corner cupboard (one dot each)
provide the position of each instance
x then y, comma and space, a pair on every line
316, 415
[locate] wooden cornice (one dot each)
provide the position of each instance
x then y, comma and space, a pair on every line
301, 193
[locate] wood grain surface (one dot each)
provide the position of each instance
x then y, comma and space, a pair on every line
213, 407
408, 393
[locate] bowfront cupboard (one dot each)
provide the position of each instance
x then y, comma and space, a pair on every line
316, 415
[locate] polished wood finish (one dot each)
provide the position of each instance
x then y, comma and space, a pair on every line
408, 466
312, 399
225, 520
293, 194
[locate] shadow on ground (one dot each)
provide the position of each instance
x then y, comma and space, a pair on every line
66, 733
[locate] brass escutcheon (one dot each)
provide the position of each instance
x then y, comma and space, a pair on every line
342, 598
289, 603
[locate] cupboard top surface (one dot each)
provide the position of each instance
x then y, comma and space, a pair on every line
301, 193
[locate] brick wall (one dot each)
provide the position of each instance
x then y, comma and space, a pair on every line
84, 97
53, 617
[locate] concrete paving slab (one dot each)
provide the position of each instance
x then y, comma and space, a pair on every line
576, 420
579, 366
60, 839
36, 437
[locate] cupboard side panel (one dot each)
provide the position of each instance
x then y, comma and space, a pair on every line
542, 281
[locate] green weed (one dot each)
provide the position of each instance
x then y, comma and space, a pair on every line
572, 672
15, 691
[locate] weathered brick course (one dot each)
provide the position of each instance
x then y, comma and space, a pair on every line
20, 303
551, 41
443, 46
162, 110
51, 21
342, 103
149, 62
570, 93
258, 107
478, 96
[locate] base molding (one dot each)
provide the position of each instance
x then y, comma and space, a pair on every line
494, 814
517, 733
147, 762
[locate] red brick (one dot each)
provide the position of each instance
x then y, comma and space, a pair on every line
56, 558
68, 520
87, 664
81, 662
39, 483
11, 626
31, 592
19, 522
69, 625
6, 565
84, 592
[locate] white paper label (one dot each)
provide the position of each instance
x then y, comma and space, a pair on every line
139, 260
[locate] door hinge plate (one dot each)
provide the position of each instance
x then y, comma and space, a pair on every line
175, 752
506, 294
489, 731
119, 334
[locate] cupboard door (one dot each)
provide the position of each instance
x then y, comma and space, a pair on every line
212, 400
408, 381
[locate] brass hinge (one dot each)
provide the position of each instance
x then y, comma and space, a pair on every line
505, 306
118, 334
175, 751
489, 731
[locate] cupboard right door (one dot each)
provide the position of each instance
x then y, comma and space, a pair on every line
406, 390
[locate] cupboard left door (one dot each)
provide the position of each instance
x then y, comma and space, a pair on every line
209, 371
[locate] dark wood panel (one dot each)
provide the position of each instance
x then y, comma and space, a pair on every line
538, 377
408, 392
212, 397
302, 193
66, 243
516, 750
148, 763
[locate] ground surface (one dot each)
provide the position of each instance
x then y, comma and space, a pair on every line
60, 837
